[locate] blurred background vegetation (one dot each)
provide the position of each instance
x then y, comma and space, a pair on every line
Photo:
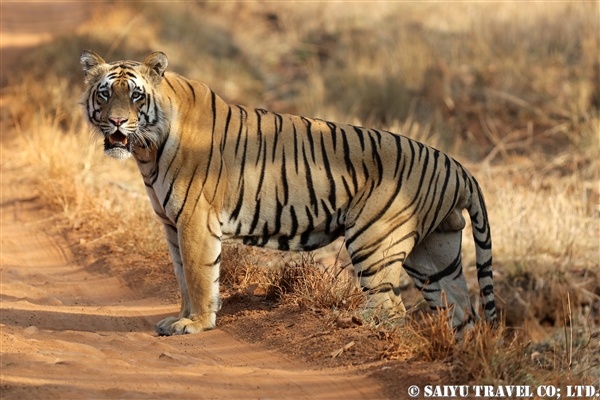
487, 79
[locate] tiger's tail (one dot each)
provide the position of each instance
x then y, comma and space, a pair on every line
483, 251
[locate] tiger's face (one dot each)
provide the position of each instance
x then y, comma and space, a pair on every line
120, 101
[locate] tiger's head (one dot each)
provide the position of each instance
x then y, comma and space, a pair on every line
122, 101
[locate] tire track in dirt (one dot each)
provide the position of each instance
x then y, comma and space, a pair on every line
68, 332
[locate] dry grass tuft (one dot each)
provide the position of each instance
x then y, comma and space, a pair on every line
302, 282
437, 338
311, 285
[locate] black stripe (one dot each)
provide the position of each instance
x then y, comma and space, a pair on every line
327, 166
346, 187
311, 142
435, 220
238, 206
348, 161
218, 180
172, 159
487, 290
361, 139
283, 243
214, 112
278, 213
277, 132
332, 128
259, 135
484, 274
169, 83
239, 137
378, 136
262, 175
366, 174
295, 226
192, 89
295, 147
256, 217
309, 183
305, 236
327, 217
412, 157
415, 274
284, 180
486, 245
187, 191
159, 153
168, 196
446, 271
376, 158
398, 154
243, 158
224, 138
486, 264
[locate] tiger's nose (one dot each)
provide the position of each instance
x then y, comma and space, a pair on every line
117, 121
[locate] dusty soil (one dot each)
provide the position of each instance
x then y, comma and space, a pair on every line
73, 331
77, 322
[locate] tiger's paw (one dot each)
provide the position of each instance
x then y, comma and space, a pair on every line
393, 305
181, 326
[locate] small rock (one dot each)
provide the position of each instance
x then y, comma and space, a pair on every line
250, 289
260, 291
349, 322
32, 330
234, 298
256, 290
53, 301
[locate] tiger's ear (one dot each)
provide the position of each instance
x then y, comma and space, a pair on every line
157, 62
90, 60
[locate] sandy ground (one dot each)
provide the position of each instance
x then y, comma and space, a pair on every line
70, 332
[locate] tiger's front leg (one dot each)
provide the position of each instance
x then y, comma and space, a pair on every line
162, 328
199, 241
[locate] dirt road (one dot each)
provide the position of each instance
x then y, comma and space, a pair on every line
70, 332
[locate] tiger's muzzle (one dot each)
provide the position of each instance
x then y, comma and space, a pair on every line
118, 145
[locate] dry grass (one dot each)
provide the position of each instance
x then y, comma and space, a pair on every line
511, 88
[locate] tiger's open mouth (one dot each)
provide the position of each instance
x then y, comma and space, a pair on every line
118, 145
117, 140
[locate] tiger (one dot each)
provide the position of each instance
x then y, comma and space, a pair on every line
217, 173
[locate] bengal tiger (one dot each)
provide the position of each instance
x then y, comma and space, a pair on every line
218, 173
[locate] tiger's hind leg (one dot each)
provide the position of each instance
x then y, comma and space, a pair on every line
379, 266
435, 265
